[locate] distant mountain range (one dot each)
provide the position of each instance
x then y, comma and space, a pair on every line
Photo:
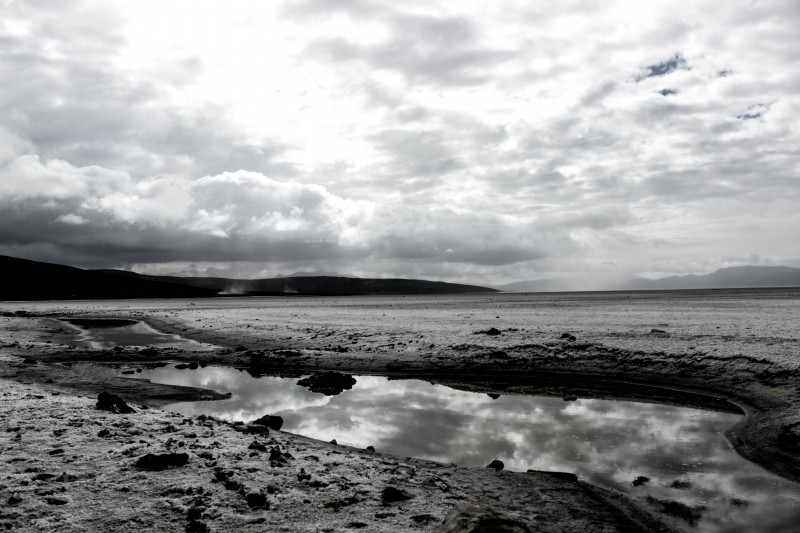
724, 278
23, 279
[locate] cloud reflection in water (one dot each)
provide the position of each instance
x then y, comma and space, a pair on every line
606, 442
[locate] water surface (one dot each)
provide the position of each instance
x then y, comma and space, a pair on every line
680, 450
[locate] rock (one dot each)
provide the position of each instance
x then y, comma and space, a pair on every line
480, 518
639, 481
493, 395
566, 476
370, 449
193, 366
257, 500
14, 499
57, 501
497, 464
255, 445
490, 331
181, 366
271, 421
196, 526
333, 441
328, 383
303, 476
278, 458
157, 462
659, 332
113, 403
29, 361
393, 494
569, 337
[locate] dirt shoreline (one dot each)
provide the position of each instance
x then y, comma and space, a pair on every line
765, 391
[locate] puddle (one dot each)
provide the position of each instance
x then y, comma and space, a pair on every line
104, 333
692, 472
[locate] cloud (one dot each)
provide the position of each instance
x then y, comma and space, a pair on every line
475, 143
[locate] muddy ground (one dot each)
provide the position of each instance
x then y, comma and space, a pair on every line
716, 350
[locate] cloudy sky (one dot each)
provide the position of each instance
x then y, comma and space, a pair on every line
482, 142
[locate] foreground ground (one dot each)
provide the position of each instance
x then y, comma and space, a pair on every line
737, 344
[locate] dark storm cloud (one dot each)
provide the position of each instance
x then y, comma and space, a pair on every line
664, 68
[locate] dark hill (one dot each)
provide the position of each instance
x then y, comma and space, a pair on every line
31, 280
312, 285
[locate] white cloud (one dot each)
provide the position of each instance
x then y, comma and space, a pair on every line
481, 142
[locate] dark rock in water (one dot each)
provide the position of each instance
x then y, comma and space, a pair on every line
569, 398
328, 383
569, 337
681, 484
182, 366
639, 481
29, 361
240, 349
493, 395
113, 403
257, 500
393, 494
271, 421
490, 331
480, 518
497, 464
128, 371
157, 462
659, 332
193, 366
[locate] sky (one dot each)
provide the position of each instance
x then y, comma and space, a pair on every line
477, 142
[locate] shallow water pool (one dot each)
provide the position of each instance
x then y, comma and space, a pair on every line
104, 333
677, 457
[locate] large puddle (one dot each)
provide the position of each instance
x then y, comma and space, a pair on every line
673, 459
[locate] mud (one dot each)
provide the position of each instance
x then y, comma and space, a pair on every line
731, 351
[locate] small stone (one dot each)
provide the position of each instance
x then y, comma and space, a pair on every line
371, 449
490, 331
393, 494
497, 464
257, 500
271, 421
478, 518
639, 481
57, 501
29, 361
113, 403
157, 462
14, 499
255, 445
196, 526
